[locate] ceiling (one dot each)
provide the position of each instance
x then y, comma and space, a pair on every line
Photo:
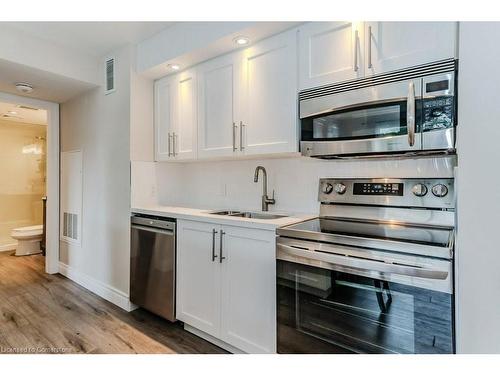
93, 38
15, 113
47, 86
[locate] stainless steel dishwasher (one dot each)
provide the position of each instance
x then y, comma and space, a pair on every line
152, 264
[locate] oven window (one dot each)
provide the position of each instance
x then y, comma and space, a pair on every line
372, 121
325, 311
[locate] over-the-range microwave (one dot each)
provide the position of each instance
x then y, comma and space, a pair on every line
405, 112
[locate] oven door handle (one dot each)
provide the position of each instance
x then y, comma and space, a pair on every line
410, 113
358, 263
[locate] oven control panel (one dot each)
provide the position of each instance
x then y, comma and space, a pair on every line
403, 192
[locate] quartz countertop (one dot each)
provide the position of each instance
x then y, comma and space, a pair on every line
205, 215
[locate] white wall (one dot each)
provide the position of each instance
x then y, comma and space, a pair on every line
99, 125
229, 184
478, 250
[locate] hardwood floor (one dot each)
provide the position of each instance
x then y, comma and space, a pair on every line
41, 313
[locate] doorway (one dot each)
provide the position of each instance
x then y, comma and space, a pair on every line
51, 145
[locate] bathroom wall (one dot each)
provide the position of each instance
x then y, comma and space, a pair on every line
22, 177
229, 184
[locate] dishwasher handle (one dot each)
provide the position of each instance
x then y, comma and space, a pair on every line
167, 232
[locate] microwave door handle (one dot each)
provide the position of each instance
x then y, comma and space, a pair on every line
410, 114
364, 264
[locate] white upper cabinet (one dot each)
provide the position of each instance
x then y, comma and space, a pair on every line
395, 45
175, 117
330, 52
269, 98
217, 106
186, 127
164, 117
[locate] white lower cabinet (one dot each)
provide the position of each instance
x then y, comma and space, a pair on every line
226, 283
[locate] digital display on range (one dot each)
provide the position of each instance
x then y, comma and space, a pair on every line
370, 188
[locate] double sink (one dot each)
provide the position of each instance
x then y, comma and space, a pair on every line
248, 214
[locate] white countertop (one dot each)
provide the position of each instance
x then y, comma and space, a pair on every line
206, 216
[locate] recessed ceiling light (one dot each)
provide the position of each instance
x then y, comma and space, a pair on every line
25, 88
241, 40
12, 112
173, 66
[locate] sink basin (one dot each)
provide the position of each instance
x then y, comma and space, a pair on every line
248, 214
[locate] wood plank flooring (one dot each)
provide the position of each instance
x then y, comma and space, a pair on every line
41, 313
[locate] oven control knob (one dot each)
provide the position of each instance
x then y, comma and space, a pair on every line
327, 188
439, 190
340, 188
419, 190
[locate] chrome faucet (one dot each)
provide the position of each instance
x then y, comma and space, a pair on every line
266, 201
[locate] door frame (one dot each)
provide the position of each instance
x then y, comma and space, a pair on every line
52, 187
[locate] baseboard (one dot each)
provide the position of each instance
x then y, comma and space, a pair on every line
103, 290
213, 340
8, 247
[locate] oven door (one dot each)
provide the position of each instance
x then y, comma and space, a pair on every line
372, 120
333, 301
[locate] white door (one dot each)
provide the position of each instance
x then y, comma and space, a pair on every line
218, 90
395, 45
269, 100
198, 276
184, 138
330, 52
248, 319
164, 112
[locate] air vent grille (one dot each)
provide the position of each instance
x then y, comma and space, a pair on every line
70, 226
399, 75
110, 75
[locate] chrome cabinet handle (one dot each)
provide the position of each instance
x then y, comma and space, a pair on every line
241, 136
173, 143
235, 128
221, 258
370, 47
214, 232
356, 51
169, 149
410, 114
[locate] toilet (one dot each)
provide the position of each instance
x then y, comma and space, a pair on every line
28, 239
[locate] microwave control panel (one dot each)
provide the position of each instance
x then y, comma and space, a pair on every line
438, 113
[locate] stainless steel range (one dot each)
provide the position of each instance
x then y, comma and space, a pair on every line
373, 273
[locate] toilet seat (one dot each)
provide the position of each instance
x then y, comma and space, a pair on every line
28, 239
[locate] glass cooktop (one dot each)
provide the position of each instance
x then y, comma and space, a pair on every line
323, 227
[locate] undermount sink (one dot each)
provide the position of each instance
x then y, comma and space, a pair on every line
248, 214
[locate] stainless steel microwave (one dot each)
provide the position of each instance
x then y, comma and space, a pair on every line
409, 111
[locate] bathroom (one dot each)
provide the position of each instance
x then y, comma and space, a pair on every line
23, 134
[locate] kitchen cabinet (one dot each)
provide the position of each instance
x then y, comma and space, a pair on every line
269, 106
226, 283
176, 117
330, 52
218, 101
396, 45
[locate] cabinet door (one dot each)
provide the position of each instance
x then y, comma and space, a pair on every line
198, 276
249, 289
218, 90
165, 92
270, 96
329, 52
185, 133
395, 45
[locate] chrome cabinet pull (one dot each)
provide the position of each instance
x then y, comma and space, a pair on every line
241, 136
370, 47
214, 232
169, 149
235, 128
356, 51
221, 258
173, 143
410, 114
